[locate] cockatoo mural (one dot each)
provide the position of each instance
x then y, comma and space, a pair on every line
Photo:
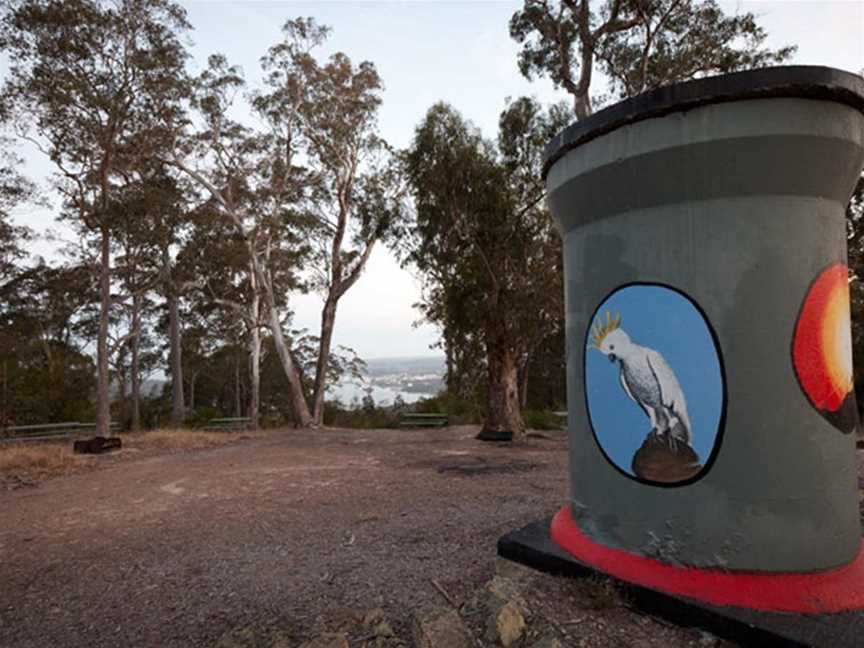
648, 380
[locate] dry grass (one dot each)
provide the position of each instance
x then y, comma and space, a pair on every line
39, 460
21, 464
180, 439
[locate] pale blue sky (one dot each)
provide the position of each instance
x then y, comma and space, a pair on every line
429, 51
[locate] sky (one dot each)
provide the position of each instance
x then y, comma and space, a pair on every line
429, 51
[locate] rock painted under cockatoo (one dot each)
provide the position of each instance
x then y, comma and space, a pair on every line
647, 379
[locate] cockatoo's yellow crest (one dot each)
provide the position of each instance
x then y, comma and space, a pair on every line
602, 329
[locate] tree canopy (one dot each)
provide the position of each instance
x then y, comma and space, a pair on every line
637, 44
484, 243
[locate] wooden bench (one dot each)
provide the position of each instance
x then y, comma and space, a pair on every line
50, 431
416, 419
228, 424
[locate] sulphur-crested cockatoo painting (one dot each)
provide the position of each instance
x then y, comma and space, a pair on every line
647, 379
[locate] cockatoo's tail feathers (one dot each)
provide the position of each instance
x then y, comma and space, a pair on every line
602, 329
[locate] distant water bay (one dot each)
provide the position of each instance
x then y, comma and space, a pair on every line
347, 392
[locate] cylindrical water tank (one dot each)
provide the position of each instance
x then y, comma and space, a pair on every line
710, 401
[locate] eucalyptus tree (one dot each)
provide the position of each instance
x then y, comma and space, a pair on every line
14, 189
150, 211
46, 319
638, 44
97, 86
323, 119
344, 363
227, 292
229, 162
483, 240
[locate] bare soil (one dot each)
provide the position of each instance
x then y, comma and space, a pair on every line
295, 530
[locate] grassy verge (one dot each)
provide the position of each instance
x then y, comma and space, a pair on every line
24, 463
36, 460
180, 439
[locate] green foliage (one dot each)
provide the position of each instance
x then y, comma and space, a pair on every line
349, 191
460, 410
99, 82
542, 420
684, 40
14, 190
639, 44
201, 417
855, 241
545, 372
43, 381
485, 246
98, 87
368, 416
45, 375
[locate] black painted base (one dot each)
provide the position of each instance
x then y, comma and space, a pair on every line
493, 435
96, 445
532, 546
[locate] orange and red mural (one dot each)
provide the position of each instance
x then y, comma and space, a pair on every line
822, 348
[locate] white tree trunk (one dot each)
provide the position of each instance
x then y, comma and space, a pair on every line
255, 358
103, 401
136, 362
176, 358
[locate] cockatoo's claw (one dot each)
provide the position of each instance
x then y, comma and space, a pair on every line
671, 441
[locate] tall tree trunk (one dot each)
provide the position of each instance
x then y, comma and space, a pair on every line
582, 106
120, 407
255, 362
192, 381
5, 420
255, 379
523, 381
176, 354
136, 362
299, 409
238, 408
449, 365
328, 319
503, 418
103, 403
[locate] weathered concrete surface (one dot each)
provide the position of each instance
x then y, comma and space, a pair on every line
739, 205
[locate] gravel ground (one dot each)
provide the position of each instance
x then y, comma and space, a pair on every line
298, 530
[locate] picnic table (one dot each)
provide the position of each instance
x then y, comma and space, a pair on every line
417, 419
229, 424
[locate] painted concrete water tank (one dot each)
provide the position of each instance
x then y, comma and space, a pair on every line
710, 397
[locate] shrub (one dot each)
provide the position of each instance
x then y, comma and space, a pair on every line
201, 417
460, 411
542, 420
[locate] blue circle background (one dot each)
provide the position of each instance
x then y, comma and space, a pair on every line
662, 319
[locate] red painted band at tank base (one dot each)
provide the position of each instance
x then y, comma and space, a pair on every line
825, 592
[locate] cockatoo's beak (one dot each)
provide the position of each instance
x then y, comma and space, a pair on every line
612, 357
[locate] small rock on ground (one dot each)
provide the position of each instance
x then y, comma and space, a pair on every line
548, 641
328, 640
509, 624
255, 637
506, 610
441, 628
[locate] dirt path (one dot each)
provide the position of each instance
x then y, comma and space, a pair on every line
294, 530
